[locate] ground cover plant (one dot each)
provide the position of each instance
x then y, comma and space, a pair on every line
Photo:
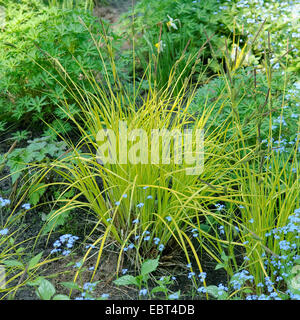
32, 34
98, 201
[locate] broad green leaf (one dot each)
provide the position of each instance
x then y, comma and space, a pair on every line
214, 291
19, 250
204, 227
159, 289
224, 257
71, 285
34, 261
13, 263
149, 266
247, 290
35, 193
45, 290
220, 266
55, 221
35, 282
126, 280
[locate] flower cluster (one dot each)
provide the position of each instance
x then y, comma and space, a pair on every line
281, 145
219, 206
4, 202
64, 244
240, 278
280, 13
292, 228
88, 289
279, 266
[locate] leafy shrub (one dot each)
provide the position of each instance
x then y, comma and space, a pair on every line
169, 27
173, 27
40, 150
251, 95
282, 22
32, 34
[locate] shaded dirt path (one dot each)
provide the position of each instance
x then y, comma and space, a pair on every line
113, 9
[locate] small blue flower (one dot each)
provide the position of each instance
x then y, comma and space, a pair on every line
66, 252
105, 295
161, 247
140, 205
57, 243
273, 294
117, 203
221, 230
150, 197
251, 220
260, 284
124, 271
55, 250
202, 290
131, 246
26, 206
156, 240
4, 232
147, 238
219, 206
284, 274
88, 286
168, 218
221, 288
174, 296
143, 292
189, 265
64, 238
191, 274
4, 202
77, 265
202, 276
237, 229
90, 246
135, 221
284, 245
124, 196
